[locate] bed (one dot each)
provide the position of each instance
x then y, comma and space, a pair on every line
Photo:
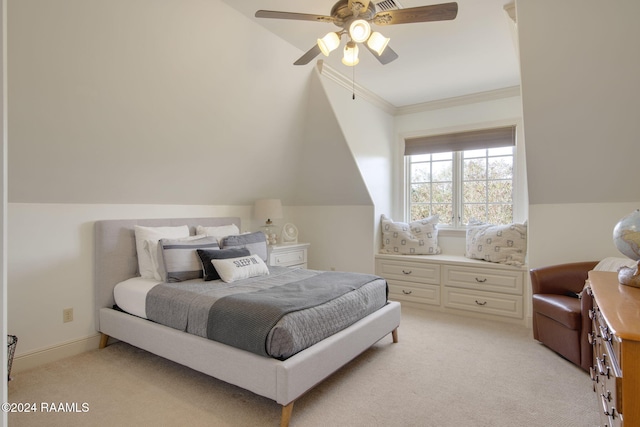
280, 380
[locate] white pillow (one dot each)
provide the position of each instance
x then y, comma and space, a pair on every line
218, 232
416, 238
232, 269
147, 246
504, 244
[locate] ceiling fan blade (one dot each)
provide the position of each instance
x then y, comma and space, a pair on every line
307, 57
436, 12
290, 15
387, 56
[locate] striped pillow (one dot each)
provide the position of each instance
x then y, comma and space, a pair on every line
178, 259
256, 242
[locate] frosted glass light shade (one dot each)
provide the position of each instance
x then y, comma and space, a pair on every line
350, 54
377, 42
359, 30
328, 43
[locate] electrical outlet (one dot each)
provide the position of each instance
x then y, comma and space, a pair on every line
67, 315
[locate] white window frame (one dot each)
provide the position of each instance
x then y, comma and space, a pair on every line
458, 198
520, 195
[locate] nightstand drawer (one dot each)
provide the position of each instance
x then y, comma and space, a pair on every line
289, 258
294, 255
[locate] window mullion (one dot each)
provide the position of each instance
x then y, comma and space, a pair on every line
457, 189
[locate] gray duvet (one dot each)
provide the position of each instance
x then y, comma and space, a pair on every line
276, 315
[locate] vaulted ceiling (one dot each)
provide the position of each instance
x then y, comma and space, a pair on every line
474, 53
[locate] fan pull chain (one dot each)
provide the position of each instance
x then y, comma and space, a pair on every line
353, 83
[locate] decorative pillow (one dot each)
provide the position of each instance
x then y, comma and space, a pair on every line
256, 243
206, 256
233, 269
178, 260
219, 231
416, 238
147, 246
505, 244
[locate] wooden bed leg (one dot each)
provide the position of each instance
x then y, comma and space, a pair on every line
394, 335
286, 415
103, 340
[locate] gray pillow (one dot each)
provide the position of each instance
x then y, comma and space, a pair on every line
256, 243
206, 256
178, 260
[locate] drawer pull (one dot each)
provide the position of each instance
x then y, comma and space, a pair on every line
481, 303
406, 292
481, 280
605, 408
407, 272
603, 367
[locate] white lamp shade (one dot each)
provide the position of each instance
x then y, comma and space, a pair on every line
359, 30
267, 209
377, 42
329, 43
350, 55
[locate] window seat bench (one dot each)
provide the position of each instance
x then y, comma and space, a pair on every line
456, 284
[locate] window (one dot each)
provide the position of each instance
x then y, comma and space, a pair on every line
461, 177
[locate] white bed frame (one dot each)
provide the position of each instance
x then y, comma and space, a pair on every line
282, 381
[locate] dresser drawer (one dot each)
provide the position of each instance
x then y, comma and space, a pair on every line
483, 302
414, 292
408, 271
491, 280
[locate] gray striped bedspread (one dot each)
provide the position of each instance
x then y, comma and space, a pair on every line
333, 301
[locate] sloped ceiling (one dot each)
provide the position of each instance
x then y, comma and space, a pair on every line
140, 102
581, 100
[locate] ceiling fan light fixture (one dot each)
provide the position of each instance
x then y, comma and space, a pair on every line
350, 57
377, 42
329, 43
359, 30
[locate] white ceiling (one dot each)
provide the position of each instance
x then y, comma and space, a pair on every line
474, 53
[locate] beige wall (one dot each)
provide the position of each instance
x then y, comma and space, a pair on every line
581, 100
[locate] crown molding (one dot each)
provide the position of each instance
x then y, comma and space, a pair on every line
360, 91
457, 101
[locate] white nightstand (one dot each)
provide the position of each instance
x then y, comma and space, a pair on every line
292, 255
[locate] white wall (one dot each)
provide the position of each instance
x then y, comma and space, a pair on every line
341, 236
369, 132
568, 232
581, 99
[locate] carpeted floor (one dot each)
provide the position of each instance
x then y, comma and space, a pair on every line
445, 371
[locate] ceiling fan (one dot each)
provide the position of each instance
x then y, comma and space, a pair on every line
355, 18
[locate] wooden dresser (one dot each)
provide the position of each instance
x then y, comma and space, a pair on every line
616, 358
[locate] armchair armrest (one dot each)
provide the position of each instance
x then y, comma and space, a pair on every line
561, 279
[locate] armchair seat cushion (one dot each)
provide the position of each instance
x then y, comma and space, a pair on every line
561, 308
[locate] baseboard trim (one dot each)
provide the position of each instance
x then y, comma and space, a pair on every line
37, 358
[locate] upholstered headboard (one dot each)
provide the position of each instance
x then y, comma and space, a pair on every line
115, 258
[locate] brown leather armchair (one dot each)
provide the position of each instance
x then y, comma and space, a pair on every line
561, 310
